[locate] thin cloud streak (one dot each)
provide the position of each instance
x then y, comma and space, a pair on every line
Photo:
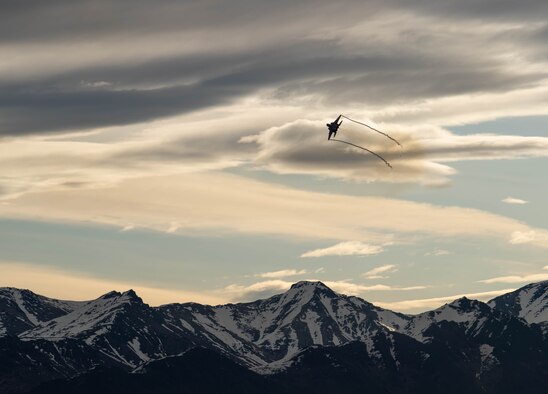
425, 304
349, 248
282, 273
516, 278
383, 269
267, 288
349, 288
512, 200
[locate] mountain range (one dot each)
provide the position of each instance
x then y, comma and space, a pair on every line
308, 339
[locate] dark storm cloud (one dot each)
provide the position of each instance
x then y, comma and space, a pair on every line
380, 87
280, 46
67, 103
481, 9
66, 19
25, 112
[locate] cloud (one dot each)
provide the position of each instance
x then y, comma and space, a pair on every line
490, 10
425, 304
37, 165
529, 237
295, 148
512, 200
349, 248
263, 289
516, 278
267, 288
80, 110
195, 56
96, 84
32, 164
437, 252
383, 269
282, 273
349, 288
61, 284
223, 203
173, 227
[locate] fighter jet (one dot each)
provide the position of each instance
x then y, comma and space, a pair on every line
333, 127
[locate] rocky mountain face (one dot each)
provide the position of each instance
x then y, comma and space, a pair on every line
308, 333
21, 310
529, 302
266, 334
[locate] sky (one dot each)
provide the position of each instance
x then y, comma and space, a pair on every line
180, 148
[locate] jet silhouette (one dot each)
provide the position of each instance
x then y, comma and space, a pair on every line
333, 127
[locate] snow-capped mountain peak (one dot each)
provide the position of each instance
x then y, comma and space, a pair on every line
470, 314
268, 335
311, 286
88, 320
529, 302
273, 330
21, 310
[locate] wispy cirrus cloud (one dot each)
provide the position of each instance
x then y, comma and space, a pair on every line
238, 292
348, 248
350, 288
517, 278
424, 304
282, 273
376, 272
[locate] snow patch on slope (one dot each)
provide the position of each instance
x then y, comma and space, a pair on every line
488, 360
135, 345
313, 322
534, 306
18, 298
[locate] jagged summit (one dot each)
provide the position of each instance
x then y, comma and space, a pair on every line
267, 335
309, 284
83, 322
310, 288
126, 295
466, 304
111, 294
